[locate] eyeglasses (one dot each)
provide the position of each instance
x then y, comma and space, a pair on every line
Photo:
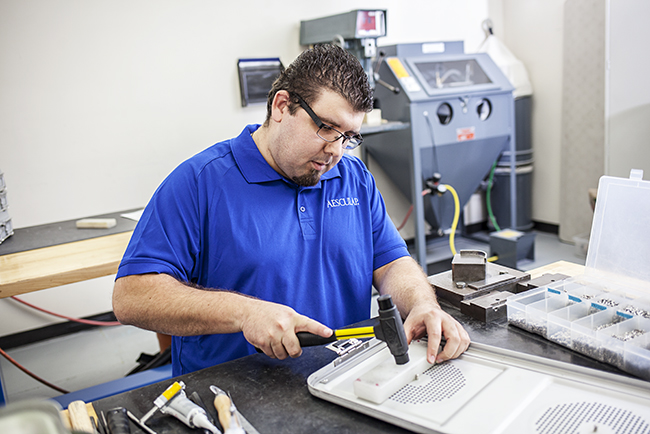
329, 133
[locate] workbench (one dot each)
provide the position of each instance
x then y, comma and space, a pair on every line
273, 395
45, 256
55, 254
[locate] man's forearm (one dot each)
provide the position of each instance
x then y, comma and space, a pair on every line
160, 303
407, 284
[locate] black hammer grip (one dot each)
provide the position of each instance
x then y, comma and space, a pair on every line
391, 329
307, 339
118, 422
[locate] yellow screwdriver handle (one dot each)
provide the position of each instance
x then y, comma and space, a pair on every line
222, 404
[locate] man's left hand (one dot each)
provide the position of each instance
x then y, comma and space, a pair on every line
429, 319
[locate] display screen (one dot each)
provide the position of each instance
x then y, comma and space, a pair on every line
370, 24
449, 74
256, 76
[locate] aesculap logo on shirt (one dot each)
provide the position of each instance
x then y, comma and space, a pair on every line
343, 201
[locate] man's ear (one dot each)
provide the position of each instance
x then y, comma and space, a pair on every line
280, 105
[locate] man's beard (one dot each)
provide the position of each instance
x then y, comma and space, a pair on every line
308, 179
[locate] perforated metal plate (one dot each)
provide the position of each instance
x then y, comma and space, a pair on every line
592, 417
438, 383
489, 390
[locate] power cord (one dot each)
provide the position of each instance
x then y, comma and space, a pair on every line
78, 320
435, 187
31, 374
408, 214
488, 198
454, 223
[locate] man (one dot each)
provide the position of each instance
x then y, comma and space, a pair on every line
276, 231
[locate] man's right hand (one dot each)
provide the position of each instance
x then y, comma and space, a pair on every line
272, 328
160, 303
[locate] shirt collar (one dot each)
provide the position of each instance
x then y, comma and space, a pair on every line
254, 167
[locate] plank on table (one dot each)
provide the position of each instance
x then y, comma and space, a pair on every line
62, 264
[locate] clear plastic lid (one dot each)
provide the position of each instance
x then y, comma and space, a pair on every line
619, 246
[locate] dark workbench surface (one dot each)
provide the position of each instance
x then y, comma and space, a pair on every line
273, 395
52, 234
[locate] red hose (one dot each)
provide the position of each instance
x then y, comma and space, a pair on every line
34, 376
82, 321
408, 214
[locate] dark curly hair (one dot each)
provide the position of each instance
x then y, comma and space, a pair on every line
324, 66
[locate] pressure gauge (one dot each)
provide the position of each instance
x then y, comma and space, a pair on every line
445, 113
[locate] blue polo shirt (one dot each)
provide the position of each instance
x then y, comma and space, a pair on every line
226, 219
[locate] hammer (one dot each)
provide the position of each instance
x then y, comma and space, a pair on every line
388, 327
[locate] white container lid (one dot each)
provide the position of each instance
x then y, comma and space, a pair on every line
619, 246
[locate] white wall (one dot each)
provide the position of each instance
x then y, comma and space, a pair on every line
628, 93
100, 100
533, 31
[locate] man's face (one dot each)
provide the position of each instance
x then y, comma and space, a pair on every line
297, 152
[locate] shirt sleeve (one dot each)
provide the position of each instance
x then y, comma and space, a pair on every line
388, 243
166, 238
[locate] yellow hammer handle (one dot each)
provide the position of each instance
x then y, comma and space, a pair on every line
355, 332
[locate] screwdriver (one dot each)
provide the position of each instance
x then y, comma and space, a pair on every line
227, 412
173, 401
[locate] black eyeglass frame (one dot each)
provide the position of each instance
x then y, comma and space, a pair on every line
349, 142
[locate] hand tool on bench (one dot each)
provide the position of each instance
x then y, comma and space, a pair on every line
230, 418
173, 401
118, 421
136, 421
388, 327
79, 417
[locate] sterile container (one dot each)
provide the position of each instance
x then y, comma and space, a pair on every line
605, 312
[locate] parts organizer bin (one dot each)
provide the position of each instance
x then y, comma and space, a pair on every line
6, 227
605, 312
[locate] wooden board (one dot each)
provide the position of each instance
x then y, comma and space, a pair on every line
38, 269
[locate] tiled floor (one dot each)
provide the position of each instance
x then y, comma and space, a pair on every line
93, 357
